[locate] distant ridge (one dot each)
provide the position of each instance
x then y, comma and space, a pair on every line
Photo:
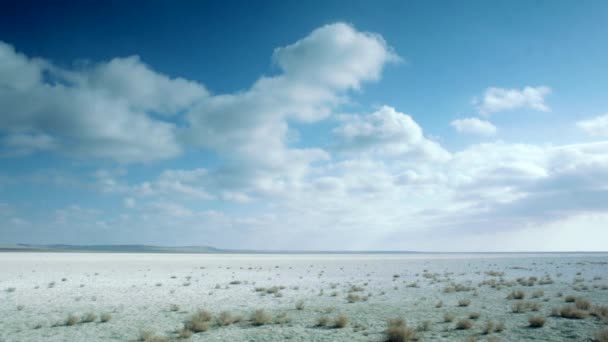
64, 248
107, 248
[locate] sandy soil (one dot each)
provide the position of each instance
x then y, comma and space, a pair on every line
159, 292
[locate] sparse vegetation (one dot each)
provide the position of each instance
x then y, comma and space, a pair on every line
148, 336
260, 317
569, 311
300, 305
602, 335
340, 322
536, 321
516, 295
424, 326
464, 302
398, 331
199, 321
488, 327
105, 317
464, 324
88, 318
72, 320
448, 317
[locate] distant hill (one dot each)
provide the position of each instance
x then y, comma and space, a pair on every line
61, 248
107, 248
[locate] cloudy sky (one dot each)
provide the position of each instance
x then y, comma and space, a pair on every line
306, 125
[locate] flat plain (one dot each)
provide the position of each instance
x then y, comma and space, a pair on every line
303, 297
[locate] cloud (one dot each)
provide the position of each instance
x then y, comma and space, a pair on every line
499, 99
597, 127
251, 128
474, 126
387, 132
102, 110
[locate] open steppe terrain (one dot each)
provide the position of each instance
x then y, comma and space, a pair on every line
309, 297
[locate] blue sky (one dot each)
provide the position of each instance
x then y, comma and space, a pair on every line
305, 125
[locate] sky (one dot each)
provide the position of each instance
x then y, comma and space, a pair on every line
306, 125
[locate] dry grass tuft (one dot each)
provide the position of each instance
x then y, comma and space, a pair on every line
582, 304
340, 322
536, 321
602, 335
488, 327
282, 318
424, 326
464, 324
184, 333
398, 331
522, 306
464, 302
199, 321
148, 336
260, 317
569, 311
105, 317
352, 298
71, 320
88, 318
448, 317
322, 321
516, 295
225, 318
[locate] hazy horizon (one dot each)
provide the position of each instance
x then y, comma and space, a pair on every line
320, 126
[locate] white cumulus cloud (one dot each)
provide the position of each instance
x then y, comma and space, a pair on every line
597, 126
499, 99
474, 126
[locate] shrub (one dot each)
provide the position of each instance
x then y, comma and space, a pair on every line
569, 311
464, 302
499, 327
174, 307
72, 320
398, 331
282, 318
351, 298
538, 294
488, 327
600, 311
424, 326
516, 295
260, 317
340, 322
88, 318
536, 321
199, 321
148, 336
322, 321
602, 335
105, 317
184, 333
225, 318
464, 324
582, 304
300, 305
522, 306
474, 315
448, 317
570, 299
